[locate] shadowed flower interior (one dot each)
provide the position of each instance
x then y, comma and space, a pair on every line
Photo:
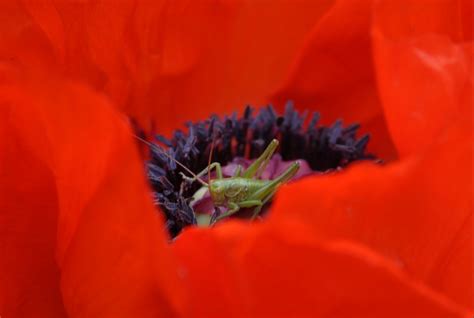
238, 141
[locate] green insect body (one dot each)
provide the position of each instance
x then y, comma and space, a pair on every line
244, 189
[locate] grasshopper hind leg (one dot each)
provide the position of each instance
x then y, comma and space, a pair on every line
267, 192
257, 210
259, 165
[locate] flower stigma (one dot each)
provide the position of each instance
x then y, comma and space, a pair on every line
280, 148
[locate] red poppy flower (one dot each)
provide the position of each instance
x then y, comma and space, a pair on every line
80, 236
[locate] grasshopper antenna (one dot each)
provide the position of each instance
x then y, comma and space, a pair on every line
209, 161
204, 183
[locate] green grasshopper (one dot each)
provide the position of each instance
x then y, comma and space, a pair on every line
244, 189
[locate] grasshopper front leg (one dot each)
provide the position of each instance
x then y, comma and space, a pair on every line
235, 207
214, 165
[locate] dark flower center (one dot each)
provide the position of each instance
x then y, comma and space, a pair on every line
322, 148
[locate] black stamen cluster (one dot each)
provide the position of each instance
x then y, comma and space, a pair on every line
324, 148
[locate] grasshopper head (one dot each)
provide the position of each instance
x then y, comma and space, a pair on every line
217, 191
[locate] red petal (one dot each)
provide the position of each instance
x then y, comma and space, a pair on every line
22, 40
404, 19
29, 275
466, 8
241, 271
190, 58
111, 248
334, 73
424, 77
231, 69
169, 61
417, 212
